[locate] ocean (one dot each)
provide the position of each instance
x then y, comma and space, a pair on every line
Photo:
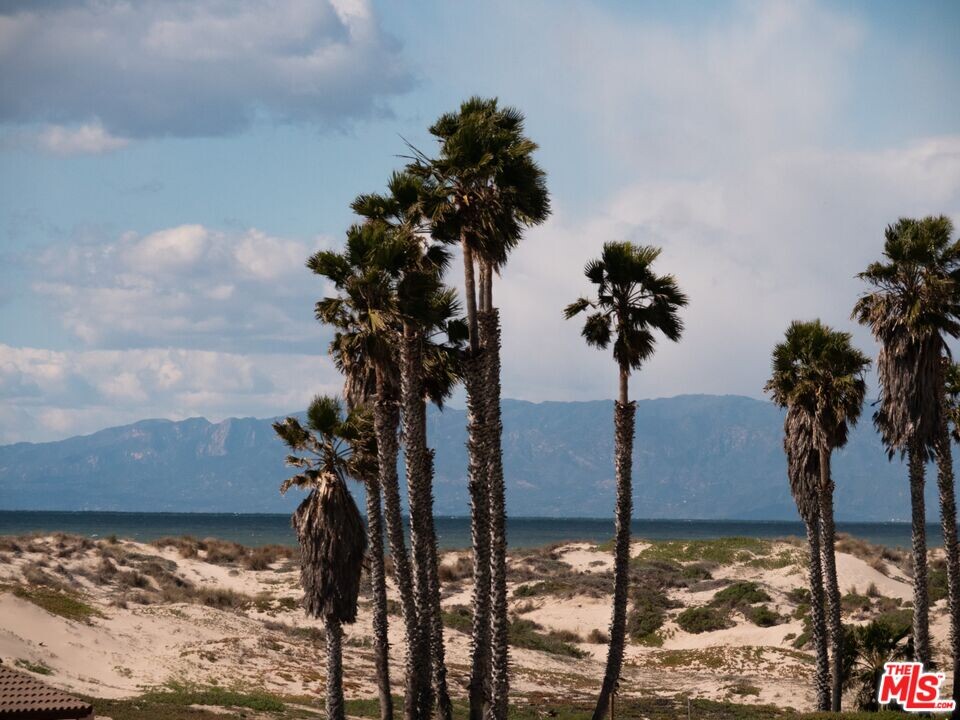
452, 532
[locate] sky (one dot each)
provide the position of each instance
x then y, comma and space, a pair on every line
167, 167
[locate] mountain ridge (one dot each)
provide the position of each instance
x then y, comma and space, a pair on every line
695, 457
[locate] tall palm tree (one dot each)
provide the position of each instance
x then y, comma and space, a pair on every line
364, 309
486, 189
911, 309
424, 309
803, 472
632, 303
328, 526
359, 391
819, 374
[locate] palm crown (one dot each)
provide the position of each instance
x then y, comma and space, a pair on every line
817, 370
484, 187
328, 525
632, 302
914, 306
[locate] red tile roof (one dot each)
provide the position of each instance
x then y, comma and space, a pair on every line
22, 696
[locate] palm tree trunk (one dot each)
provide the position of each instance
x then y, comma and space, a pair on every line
624, 430
921, 601
437, 649
386, 422
479, 533
335, 704
381, 641
419, 470
818, 625
948, 520
499, 620
827, 534
470, 292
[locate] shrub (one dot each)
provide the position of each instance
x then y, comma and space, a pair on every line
598, 637
799, 595
460, 570
854, 602
701, 619
648, 613
763, 616
526, 634
458, 617
739, 594
937, 580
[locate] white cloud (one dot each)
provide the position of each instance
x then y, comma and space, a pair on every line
186, 286
192, 68
48, 395
754, 249
89, 139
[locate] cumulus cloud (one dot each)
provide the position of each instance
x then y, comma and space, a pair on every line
191, 68
754, 249
47, 395
186, 286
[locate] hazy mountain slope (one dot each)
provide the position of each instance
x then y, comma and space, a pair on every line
696, 456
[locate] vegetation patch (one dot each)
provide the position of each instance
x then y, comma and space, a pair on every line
702, 619
58, 602
739, 594
458, 617
724, 551
648, 613
40, 668
527, 634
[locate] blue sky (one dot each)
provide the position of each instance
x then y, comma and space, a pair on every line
166, 167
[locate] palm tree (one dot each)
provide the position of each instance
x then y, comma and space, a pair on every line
485, 188
803, 472
632, 302
328, 526
424, 309
359, 391
364, 310
911, 310
819, 374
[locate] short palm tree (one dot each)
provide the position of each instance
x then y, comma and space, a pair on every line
912, 308
328, 526
818, 373
803, 473
484, 189
359, 391
871, 646
632, 303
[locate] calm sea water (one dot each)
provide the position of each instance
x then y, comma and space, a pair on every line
453, 532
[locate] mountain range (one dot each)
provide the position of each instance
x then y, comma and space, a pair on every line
695, 457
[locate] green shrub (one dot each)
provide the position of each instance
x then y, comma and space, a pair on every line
937, 581
763, 616
701, 620
739, 594
527, 634
458, 617
648, 613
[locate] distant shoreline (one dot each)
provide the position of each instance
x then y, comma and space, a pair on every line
256, 529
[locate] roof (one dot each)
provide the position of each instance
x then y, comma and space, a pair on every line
22, 696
